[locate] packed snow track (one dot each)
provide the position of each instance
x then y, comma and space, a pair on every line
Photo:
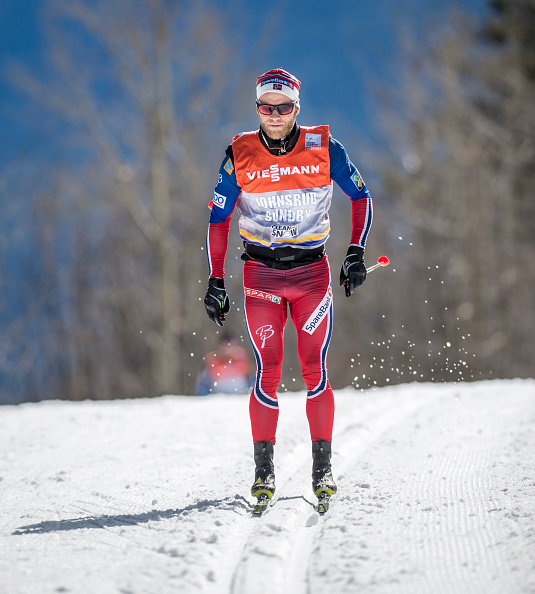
436, 494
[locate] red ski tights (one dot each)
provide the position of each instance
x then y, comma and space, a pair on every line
306, 292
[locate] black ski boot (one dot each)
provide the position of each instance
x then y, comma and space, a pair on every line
322, 478
264, 472
264, 485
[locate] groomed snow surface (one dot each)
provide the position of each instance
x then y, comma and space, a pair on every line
436, 495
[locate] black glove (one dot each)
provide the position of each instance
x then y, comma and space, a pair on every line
216, 301
353, 272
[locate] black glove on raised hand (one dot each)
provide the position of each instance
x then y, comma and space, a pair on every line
353, 272
216, 302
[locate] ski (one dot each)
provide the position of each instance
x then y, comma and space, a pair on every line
261, 504
323, 502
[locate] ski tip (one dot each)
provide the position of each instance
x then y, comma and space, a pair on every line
260, 506
323, 505
324, 500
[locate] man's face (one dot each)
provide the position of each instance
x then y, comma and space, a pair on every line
277, 126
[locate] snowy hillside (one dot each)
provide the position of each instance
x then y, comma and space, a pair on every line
437, 495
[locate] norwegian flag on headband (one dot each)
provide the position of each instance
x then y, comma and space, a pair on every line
280, 81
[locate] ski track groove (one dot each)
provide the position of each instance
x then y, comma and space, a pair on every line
273, 538
451, 486
450, 533
292, 570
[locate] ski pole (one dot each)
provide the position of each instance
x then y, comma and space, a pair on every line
382, 261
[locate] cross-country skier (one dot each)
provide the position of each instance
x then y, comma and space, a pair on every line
280, 179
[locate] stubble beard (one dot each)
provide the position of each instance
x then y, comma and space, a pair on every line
280, 133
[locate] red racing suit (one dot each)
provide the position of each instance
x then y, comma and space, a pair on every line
283, 201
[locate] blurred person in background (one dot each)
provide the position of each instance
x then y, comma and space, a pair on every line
227, 370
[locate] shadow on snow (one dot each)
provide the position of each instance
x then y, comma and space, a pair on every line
130, 519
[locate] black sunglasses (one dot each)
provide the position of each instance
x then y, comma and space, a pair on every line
283, 108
